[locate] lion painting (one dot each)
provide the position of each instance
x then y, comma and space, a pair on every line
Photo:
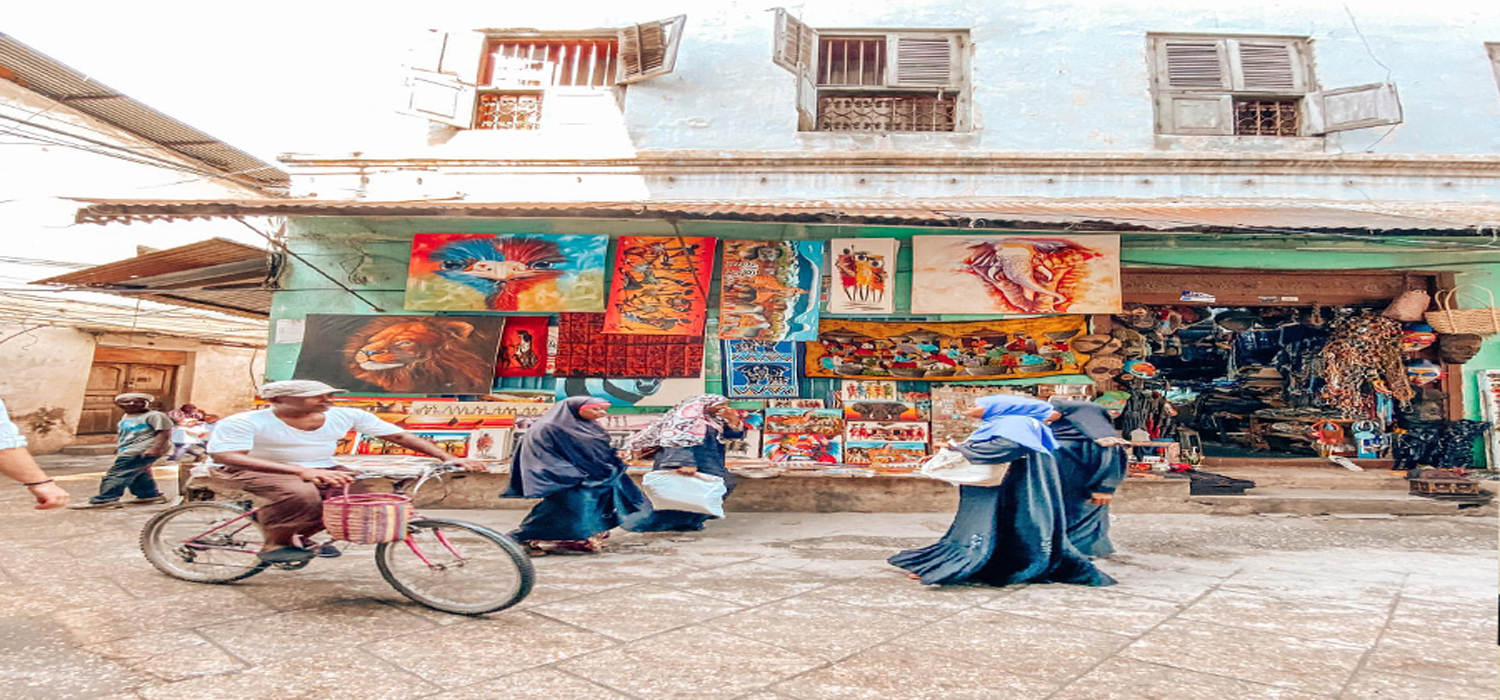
402, 354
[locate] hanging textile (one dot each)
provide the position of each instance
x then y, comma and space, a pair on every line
1362, 358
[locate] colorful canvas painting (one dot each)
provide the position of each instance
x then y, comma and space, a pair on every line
747, 447
881, 400
760, 369
1031, 274
490, 444
660, 285
453, 442
864, 275
401, 354
883, 431
886, 456
488, 272
1033, 347
794, 403
585, 350
949, 424
473, 415
769, 290
803, 435
631, 392
523, 347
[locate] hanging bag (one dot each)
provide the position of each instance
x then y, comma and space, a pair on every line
696, 493
1448, 319
951, 466
1409, 306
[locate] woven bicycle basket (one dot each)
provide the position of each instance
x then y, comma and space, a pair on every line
1482, 321
367, 518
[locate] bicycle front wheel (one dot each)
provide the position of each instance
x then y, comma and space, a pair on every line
203, 542
456, 567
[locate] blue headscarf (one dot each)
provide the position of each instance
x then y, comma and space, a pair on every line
1015, 418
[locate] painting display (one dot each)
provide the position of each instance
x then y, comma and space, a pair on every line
882, 401
1028, 274
747, 447
585, 350
864, 273
1489, 405
489, 272
760, 369
490, 444
949, 424
474, 415
769, 290
631, 392
882, 431
794, 403
660, 285
886, 456
401, 354
803, 435
1033, 347
523, 347
453, 442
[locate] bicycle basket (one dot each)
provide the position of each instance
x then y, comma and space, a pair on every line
367, 518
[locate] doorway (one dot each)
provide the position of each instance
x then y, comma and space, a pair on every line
122, 370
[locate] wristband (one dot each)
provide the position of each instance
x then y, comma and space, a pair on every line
39, 483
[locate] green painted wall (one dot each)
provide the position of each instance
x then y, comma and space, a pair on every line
370, 255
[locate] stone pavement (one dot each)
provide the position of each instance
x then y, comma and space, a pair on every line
772, 606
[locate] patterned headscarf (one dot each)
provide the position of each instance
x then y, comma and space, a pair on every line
685, 425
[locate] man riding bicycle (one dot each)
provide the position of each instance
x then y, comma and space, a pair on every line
284, 456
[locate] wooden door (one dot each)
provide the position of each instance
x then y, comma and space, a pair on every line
110, 379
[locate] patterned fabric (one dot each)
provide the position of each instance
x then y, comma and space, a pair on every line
585, 350
685, 425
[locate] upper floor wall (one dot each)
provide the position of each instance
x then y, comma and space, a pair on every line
1071, 77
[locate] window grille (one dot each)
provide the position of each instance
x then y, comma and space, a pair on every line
886, 112
1266, 118
512, 111
576, 63
852, 62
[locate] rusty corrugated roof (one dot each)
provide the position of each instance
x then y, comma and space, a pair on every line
76, 311
216, 274
1076, 215
49, 77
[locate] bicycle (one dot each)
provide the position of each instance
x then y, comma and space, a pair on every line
448, 565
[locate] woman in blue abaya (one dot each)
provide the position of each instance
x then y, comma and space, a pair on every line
688, 439
1015, 532
566, 460
1091, 466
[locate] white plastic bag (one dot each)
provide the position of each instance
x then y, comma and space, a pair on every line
699, 493
951, 466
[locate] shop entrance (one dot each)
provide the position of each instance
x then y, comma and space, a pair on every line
121, 370
1242, 366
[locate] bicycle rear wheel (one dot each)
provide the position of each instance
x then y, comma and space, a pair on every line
456, 567
202, 542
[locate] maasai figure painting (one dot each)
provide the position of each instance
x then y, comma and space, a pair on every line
760, 369
882, 400
488, 272
803, 435
864, 273
660, 285
881, 431
1033, 347
401, 354
1038, 274
523, 347
769, 290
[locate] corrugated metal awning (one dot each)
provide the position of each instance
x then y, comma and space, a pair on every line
1074, 215
46, 76
217, 274
76, 311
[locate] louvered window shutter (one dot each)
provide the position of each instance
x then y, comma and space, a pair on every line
1267, 66
440, 76
924, 61
1192, 64
795, 44
650, 49
807, 101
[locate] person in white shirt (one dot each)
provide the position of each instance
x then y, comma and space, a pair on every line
284, 456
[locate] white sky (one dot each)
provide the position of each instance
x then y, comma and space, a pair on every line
318, 76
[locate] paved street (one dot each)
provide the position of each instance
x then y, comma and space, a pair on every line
769, 607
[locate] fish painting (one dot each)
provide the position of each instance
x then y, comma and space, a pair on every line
485, 272
1016, 274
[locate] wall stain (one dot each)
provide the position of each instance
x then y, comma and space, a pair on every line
43, 420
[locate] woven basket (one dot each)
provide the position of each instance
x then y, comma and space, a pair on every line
367, 518
1481, 321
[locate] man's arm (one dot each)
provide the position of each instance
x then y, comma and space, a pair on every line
16, 463
412, 442
163, 444
243, 460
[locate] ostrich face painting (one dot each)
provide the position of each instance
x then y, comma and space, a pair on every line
1016, 274
506, 273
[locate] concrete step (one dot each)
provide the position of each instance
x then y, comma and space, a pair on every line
1332, 502
1332, 478
88, 450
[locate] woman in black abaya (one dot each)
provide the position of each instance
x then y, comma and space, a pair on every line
1015, 532
566, 460
1091, 465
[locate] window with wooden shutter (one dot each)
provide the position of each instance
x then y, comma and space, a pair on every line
650, 49
1208, 85
874, 80
1494, 50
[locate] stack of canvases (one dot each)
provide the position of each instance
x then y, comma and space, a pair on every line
642, 343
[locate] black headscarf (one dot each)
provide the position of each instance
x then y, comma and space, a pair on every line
562, 450
1082, 420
